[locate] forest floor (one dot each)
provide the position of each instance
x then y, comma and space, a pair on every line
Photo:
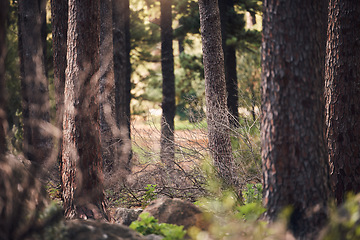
148, 178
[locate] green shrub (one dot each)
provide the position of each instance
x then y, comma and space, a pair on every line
149, 225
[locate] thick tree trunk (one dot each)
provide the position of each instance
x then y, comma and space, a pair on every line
82, 165
3, 124
59, 17
215, 90
226, 7
167, 151
122, 73
37, 142
343, 96
107, 88
295, 166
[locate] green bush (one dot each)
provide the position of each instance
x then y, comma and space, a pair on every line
149, 225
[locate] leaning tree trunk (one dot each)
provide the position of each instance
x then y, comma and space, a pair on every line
82, 165
215, 90
35, 93
59, 17
226, 8
3, 17
122, 72
167, 151
295, 167
343, 96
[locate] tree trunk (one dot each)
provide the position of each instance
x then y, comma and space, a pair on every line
122, 73
3, 124
295, 166
343, 96
107, 88
226, 7
59, 17
35, 93
167, 151
215, 90
82, 165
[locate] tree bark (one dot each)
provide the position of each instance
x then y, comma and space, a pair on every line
82, 165
342, 94
35, 93
226, 8
167, 150
59, 19
3, 122
122, 73
215, 90
107, 88
295, 167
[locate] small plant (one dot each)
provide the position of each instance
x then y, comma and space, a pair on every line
149, 225
253, 193
150, 193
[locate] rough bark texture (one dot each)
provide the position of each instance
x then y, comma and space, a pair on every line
82, 165
295, 168
226, 8
35, 93
3, 124
122, 73
343, 96
215, 90
59, 17
167, 150
107, 87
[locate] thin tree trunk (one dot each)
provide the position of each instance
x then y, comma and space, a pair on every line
294, 159
59, 17
37, 142
82, 165
167, 151
343, 96
122, 73
215, 90
226, 7
3, 123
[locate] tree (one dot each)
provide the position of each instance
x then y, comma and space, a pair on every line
107, 87
3, 16
167, 151
37, 142
122, 74
59, 17
82, 165
342, 96
215, 90
227, 13
295, 167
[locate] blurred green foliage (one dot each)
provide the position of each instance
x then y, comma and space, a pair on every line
149, 225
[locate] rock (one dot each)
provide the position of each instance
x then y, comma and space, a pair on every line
153, 237
177, 211
96, 230
126, 216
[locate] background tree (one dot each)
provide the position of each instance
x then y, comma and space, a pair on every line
215, 90
59, 17
107, 87
34, 85
167, 151
343, 96
82, 165
122, 74
227, 14
293, 146
3, 16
